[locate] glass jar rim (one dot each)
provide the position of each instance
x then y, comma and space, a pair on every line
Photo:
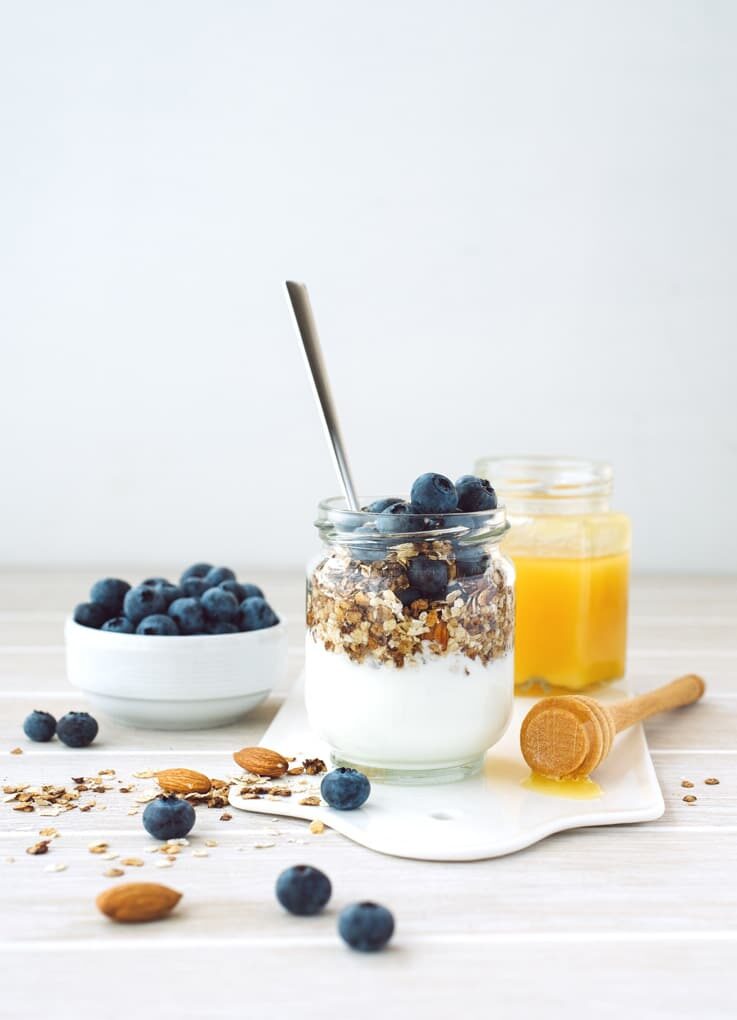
336, 520
547, 477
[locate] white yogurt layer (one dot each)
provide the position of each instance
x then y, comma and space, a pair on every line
435, 714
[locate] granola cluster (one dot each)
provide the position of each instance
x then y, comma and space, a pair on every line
354, 608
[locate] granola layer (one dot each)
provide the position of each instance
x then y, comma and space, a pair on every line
353, 609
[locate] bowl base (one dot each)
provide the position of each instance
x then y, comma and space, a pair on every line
176, 715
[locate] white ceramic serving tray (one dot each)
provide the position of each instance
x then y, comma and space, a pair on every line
485, 816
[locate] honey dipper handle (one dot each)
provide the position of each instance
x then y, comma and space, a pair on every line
677, 693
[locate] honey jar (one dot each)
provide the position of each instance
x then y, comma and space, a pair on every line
571, 553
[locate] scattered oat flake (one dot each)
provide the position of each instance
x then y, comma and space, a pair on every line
113, 873
314, 766
17, 750
263, 846
144, 798
56, 867
712, 781
165, 862
689, 798
106, 772
132, 862
182, 841
211, 842
687, 784
200, 853
311, 801
133, 811
316, 827
144, 774
98, 848
225, 817
171, 851
110, 856
50, 831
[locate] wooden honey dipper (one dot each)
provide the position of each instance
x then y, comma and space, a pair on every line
567, 737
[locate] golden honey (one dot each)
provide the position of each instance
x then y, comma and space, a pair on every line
573, 789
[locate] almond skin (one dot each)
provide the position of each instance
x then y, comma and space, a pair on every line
136, 902
261, 762
183, 781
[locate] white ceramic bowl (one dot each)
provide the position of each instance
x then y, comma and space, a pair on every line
175, 683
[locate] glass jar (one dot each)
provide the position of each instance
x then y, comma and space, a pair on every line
409, 647
571, 554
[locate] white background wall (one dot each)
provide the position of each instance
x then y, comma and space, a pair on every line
518, 221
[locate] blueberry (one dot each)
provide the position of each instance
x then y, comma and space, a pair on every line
434, 494
77, 729
430, 576
215, 575
475, 494
119, 625
221, 627
143, 601
109, 592
220, 605
196, 570
345, 789
396, 519
157, 624
235, 588
303, 890
241, 591
188, 615
168, 818
90, 614
39, 726
256, 614
428, 523
471, 562
193, 587
408, 595
379, 505
366, 926
169, 591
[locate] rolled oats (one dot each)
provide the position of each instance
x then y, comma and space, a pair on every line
353, 609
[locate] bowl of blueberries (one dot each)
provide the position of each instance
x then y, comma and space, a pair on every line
188, 655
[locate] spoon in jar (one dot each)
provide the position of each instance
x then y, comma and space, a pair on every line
567, 736
307, 331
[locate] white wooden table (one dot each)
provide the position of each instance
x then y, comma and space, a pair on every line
634, 920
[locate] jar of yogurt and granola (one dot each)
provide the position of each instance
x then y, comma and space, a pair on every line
410, 637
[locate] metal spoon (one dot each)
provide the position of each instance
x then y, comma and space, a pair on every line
307, 330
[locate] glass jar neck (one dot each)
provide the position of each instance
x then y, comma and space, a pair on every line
549, 485
339, 525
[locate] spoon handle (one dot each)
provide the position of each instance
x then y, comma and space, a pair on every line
677, 693
305, 320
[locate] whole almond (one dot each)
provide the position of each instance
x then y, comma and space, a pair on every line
135, 902
260, 761
183, 781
